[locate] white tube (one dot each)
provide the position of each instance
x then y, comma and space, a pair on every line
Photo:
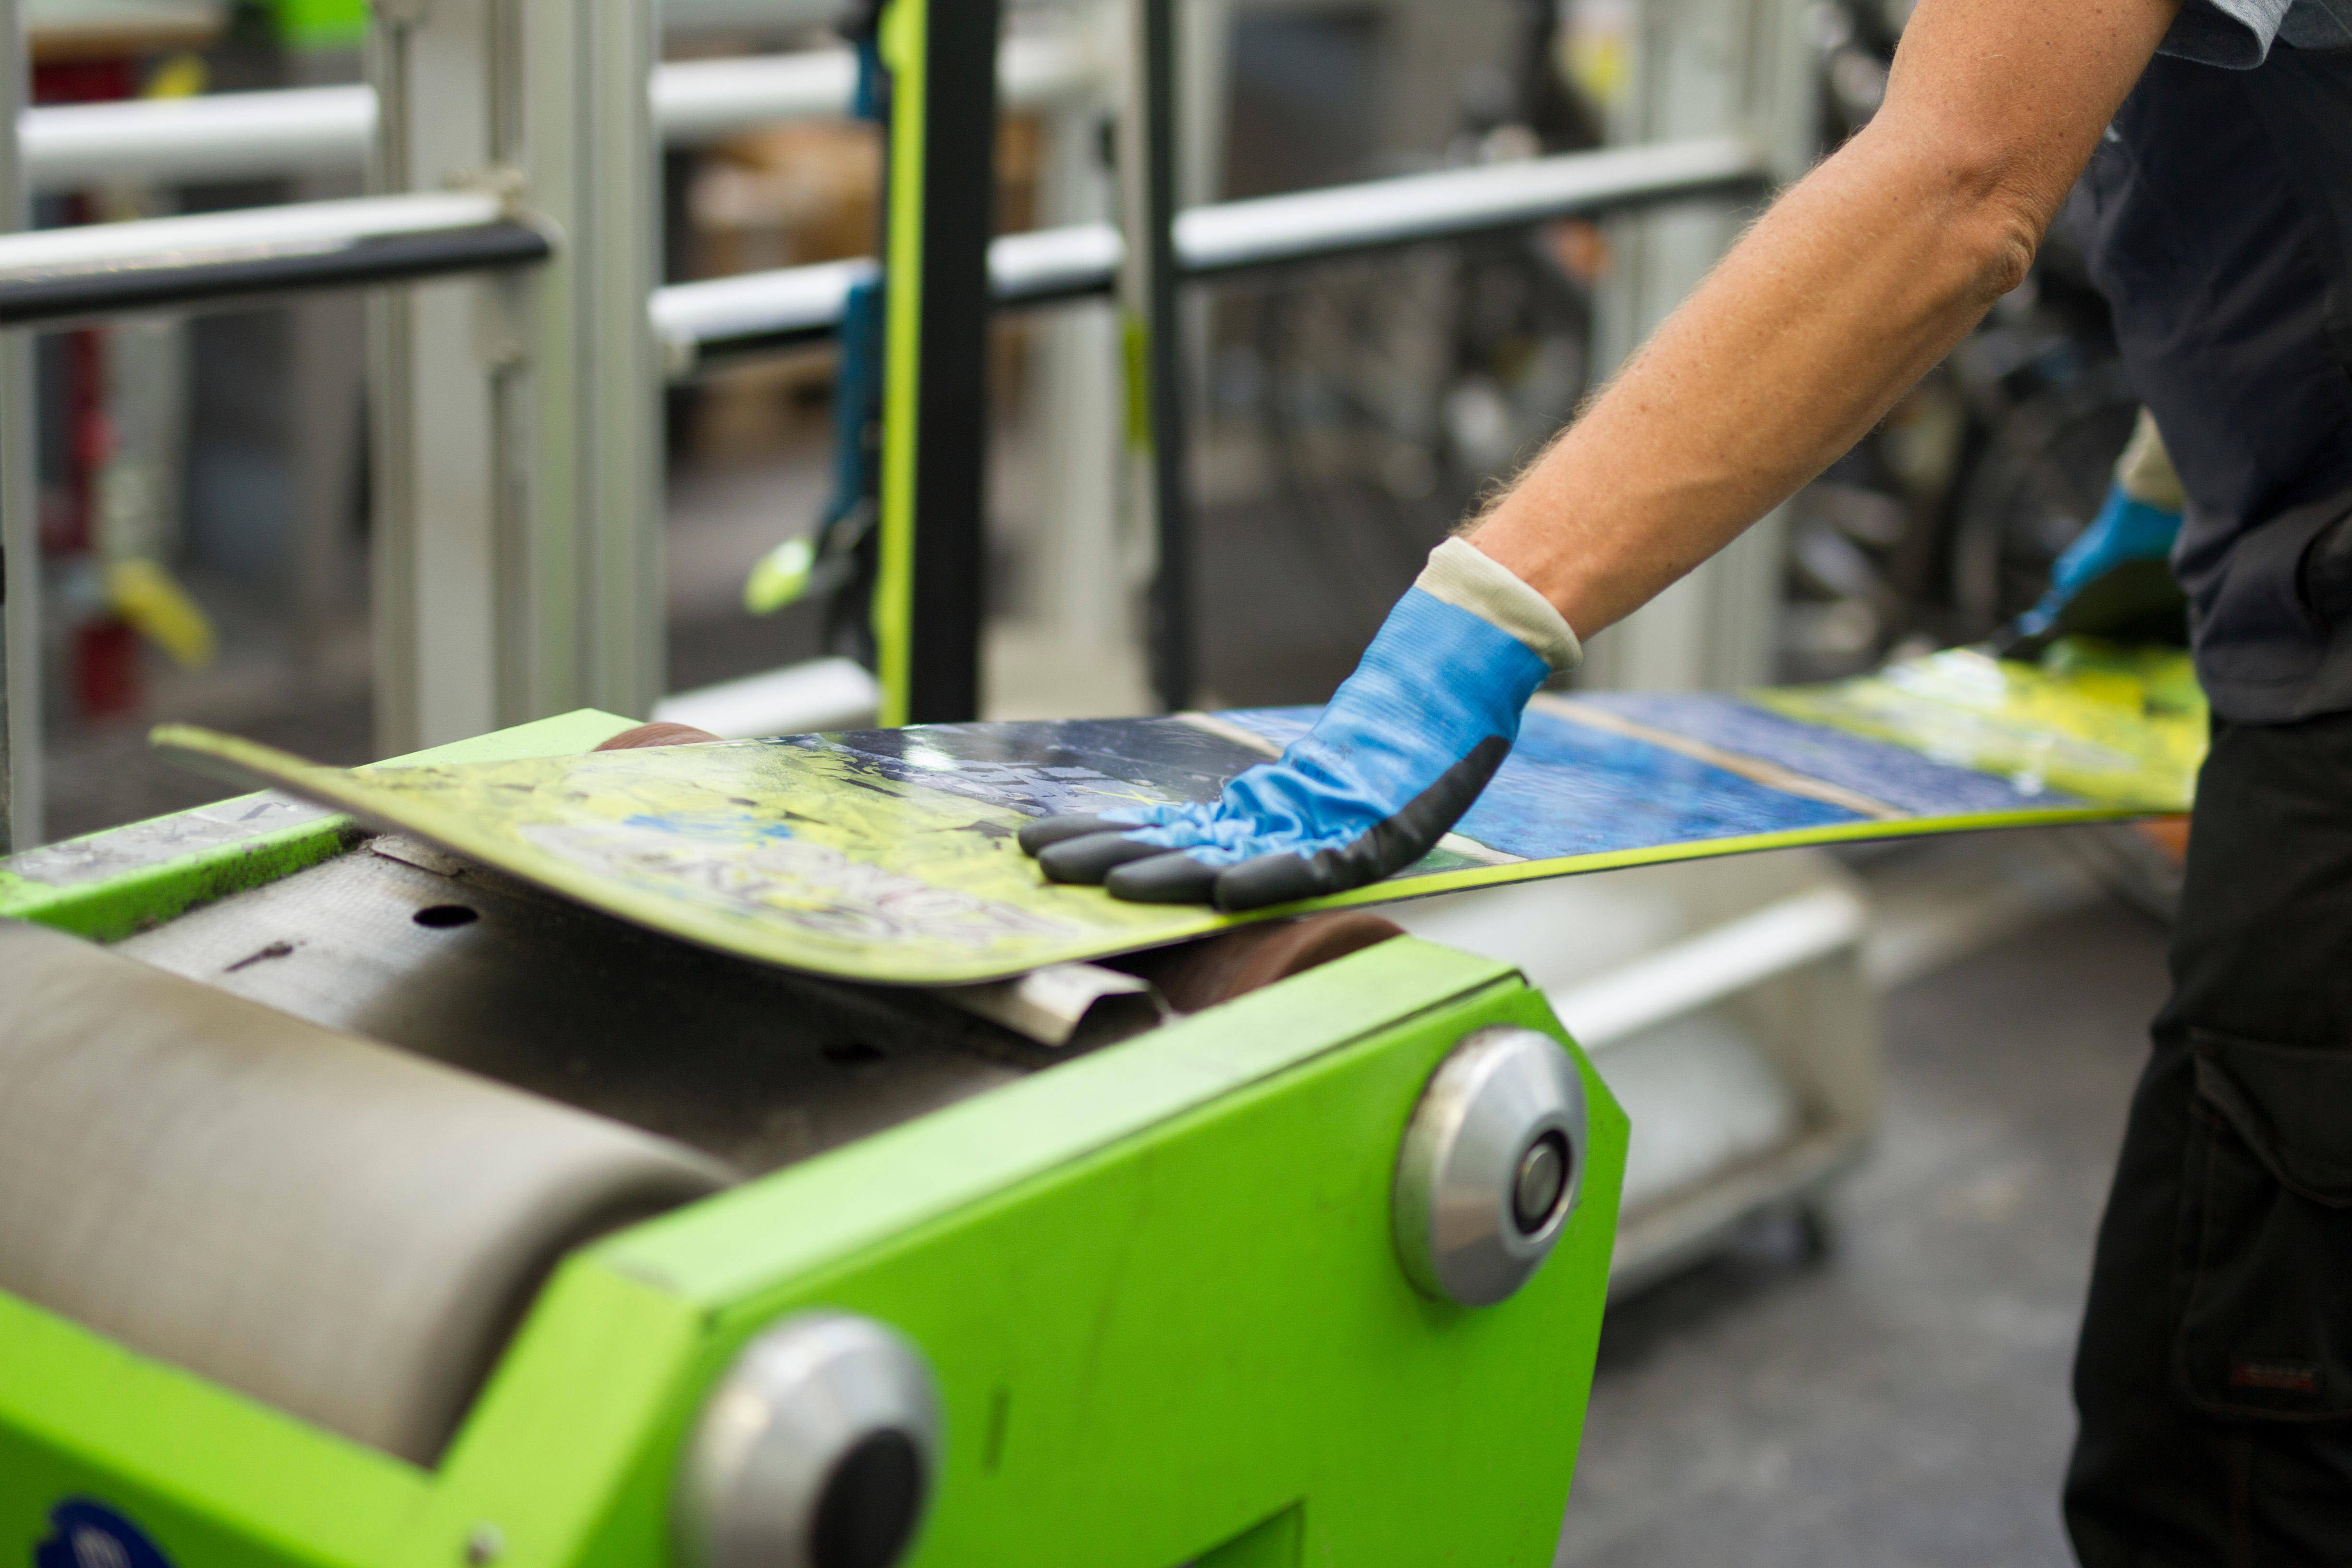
223, 136
321, 130
1386, 212
758, 304
1084, 257
700, 100
798, 700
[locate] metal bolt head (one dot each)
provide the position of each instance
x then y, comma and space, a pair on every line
816, 1451
1542, 1178
1491, 1166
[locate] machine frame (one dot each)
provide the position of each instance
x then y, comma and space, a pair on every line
1156, 1283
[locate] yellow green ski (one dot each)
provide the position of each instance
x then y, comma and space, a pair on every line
888, 855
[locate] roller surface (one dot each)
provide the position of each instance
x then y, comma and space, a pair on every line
333, 1227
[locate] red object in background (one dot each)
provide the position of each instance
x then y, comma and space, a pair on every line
106, 668
105, 657
84, 81
69, 506
105, 660
92, 440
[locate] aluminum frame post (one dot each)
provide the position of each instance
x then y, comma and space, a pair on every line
517, 418
434, 403
1699, 69
595, 517
1084, 618
20, 546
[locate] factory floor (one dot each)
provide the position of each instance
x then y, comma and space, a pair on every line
1900, 1399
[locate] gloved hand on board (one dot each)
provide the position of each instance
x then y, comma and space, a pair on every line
1398, 754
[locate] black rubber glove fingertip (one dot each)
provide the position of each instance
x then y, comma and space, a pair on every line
1087, 860
1051, 830
1170, 876
1269, 879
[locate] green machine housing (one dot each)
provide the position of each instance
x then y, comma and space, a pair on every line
1152, 1286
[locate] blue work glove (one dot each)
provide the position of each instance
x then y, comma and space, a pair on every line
2126, 532
1396, 757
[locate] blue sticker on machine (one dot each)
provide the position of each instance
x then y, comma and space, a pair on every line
87, 1534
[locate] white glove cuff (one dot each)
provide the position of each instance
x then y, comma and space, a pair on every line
2146, 471
1467, 578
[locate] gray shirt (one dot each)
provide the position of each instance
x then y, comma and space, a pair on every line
2238, 34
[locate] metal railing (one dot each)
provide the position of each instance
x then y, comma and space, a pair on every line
58, 275
99, 270
760, 312
329, 129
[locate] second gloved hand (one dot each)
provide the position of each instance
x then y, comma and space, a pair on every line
1400, 753
2129, 536
2115, 580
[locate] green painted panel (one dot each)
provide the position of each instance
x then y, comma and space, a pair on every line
109, 884
215, 1477
1228, 1285
322, 24
551, 1456
1213, 1268
879, 1187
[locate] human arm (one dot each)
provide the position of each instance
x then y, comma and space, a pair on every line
1860, 278
1856, 281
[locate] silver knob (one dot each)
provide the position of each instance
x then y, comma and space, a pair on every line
816, 1450
1491, 1166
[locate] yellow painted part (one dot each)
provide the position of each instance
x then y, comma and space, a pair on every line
798, 855
182, 75
152, 600
2115, 726
802, 856
778, 853
904, 25
781, 578
1135, 344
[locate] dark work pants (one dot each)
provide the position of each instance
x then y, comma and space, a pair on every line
2214, 1377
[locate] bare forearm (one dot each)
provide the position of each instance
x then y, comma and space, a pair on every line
1807, 334
1850, 287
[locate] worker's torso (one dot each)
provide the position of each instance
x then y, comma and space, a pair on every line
2219, 208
